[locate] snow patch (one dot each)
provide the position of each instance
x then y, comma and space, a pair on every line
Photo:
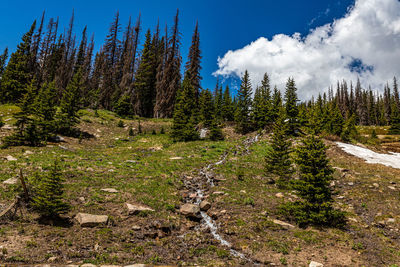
390, 160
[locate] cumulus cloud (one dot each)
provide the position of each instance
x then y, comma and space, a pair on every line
365, 43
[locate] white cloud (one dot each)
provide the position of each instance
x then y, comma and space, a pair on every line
369, 33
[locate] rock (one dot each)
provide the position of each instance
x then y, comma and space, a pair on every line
59, 139
204, 133
315, 264
52, 259
193, 195
131, 161
11, 181
205, 205
136, 265
175, 158
350, 183
88, 265
284, 224
81, 199
7, 127
90, 169
375, 185
280, 195
135, 209
392, 187
190, 210
136, 227
391, 220
218, 193
243, 191
90, 220
11, 158
109, 190
26, 153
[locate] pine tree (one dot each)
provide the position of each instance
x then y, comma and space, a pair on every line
291, 107
17, 75
218, 102
228, 108
145, 80
70, 104
184, 119
124, 106
3, 60
242, 114
312, 187
207, 108
349, 129
262, 105
48, 199
276, 104
193, 66
278, 162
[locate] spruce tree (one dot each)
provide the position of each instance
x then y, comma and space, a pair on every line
349, 129
291, 107
276, 104
262, 105
184, 119
70, 104
145, 80
242, 114
207, 108
315, 175
124, 106
193, 66
48, 199
228, 108
17, 75
278, 162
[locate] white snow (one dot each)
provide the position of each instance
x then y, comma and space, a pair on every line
391, 159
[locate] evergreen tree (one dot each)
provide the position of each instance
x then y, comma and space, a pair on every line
278, 162
335, 120
215, 132
48, 199
312, 187
349, 129
228, 108
184, 119
193, 66
17, 75
70, 105
218, 102
291, 107
207, 108
124, 106
3, 60
276, 104
262, 105
242, 114
145, 80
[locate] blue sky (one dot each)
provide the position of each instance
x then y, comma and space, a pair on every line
224, 25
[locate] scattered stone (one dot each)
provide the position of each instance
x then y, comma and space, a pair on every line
340, 197
11, 158
11, 181
135, 209
81, 199
7, 127
90, 220
175, 158
375, 185
109, 190
59, 139
392, 187
205, 205
155, 148
193, 195
243, 191
332, 184
28, 152
280, 195
284, 224
52, 259
353, 220
136, 227
131, 161
204, 133
88, 265
391, 220
351, 183
190, 210
218, 193
90, 169
315, 264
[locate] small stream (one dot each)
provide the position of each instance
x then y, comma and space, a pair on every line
204, 182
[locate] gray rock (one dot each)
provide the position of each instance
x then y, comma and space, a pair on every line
204, 133
175, 158
375, 185
11, 181
284, 224
315, 264
11, 158
218, 193
280, 195
88, 265
190, 210
109, 190
205, 205
135, 209
136, 227
90, 220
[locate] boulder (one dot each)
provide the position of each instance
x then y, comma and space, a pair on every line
135, 209
11, 158
204, 133
109, 190
315, 264
205, 205
90, 220
190, 210
283, 224
11, 181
